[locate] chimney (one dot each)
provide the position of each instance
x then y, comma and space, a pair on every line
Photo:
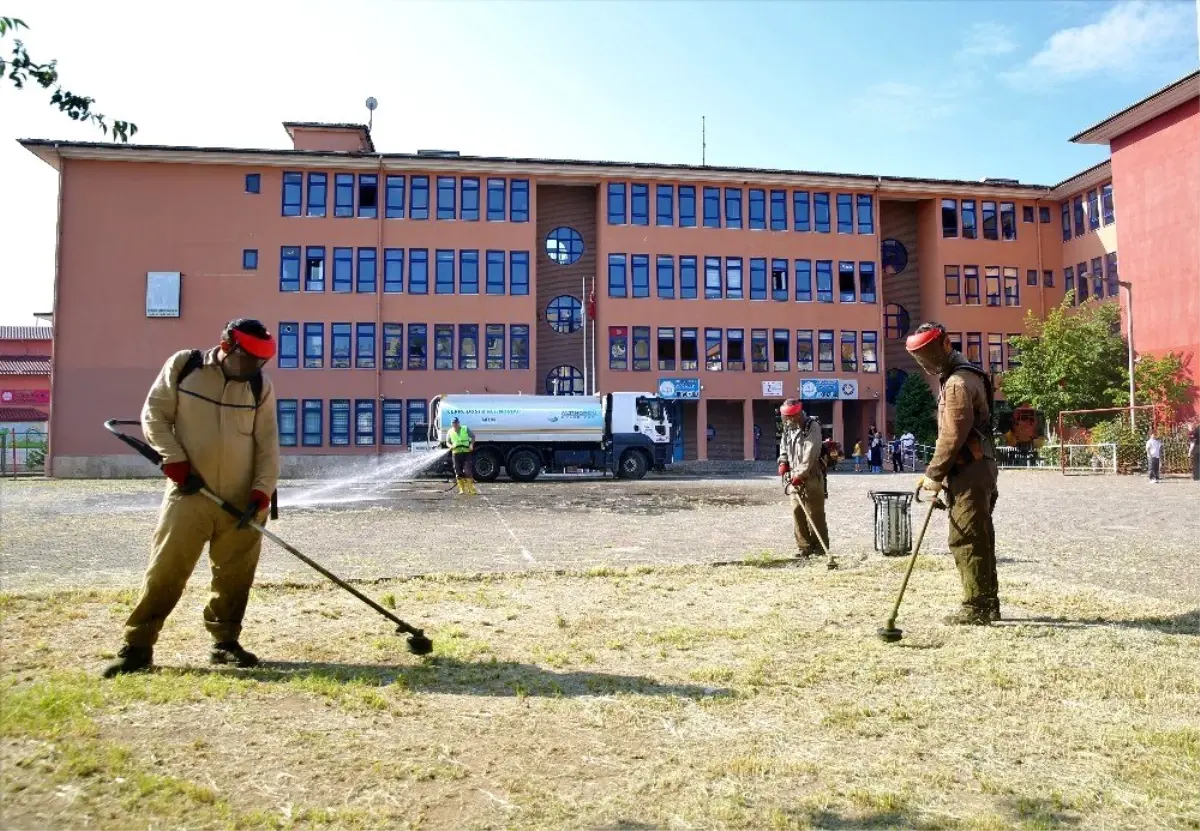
337, 138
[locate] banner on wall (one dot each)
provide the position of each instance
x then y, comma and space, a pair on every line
819, 389
772, 389
679, 389
24, 396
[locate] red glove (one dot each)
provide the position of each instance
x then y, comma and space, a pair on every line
258, 503
181, 474
784, 467
797, 481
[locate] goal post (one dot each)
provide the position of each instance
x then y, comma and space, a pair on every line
1078, 459
1114, 440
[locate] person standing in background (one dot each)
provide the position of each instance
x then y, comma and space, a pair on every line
1154, 455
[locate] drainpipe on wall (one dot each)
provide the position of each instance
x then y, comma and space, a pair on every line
380, 264
1037, 206
880, 350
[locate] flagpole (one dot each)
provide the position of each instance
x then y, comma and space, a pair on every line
583, 304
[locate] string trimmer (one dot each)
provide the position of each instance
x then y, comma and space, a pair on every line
888, 633
418, 644
788, 490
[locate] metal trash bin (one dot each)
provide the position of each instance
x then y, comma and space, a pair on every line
893, 522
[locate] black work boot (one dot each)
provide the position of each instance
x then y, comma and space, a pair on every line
969, 616
993, 609
231, 652
130, 659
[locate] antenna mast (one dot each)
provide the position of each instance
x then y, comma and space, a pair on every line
703, 140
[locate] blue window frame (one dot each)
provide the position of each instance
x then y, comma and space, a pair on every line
1106, 202
1069, 280
393, 346
870, 351
687, 277
803, 270
824, 281
618, 284
468, 272
665, 276
640, 272
991, 227
801, 211
758, 209
618, 348
821, 212
1066, 221
1077, 206
469, 201
418, 271
496, 200
418, 346
564, 245
289, 346
713, 290
804, 350
758, 278
712, 207
866, 282
443, 346
616, 203
639, 204
518, 273
394, 197
343, 194
289, 268
845, 213
416, 416
493, 346
687, 206
949, 218
368, 195
314, 430
970, 230
468, 346
314, 345
518, 200
339, 345
250, 259
314, 268
518, 346
733, 208
495, 272
779, 280
364, 422
443, 272
393, 270
418, 197
364, 346
285, 419
1110, 273
367, 271
734, 281
866, 213
779, 219
1043, 215
445, 197
293, 191
339, 422
253, 183
343, 269
317, 194
1093, 198
847, 290
392, 416
664, 205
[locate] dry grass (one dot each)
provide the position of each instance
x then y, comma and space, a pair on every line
735, 697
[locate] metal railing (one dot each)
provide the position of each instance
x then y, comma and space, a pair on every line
23, 452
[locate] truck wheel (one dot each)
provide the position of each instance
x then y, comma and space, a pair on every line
524, 466
485, 465
633, 465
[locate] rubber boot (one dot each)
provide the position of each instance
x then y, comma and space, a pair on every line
969, 616
131, 659
462, 488
471, 488
231, 652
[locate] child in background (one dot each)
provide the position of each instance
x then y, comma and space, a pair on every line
858, 457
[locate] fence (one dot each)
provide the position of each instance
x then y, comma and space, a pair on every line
1126, 429
22, 452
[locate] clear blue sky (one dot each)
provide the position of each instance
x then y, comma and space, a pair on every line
940, 89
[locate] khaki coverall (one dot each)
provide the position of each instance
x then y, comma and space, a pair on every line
234, 447
801, 449
964, 460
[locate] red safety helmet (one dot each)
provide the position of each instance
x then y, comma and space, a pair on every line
251, 337
791, 408
927, 346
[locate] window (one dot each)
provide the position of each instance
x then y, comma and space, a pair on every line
443, 272
285, 415
974, 348
289, 346
293, 187
418, 198
801, 220
468, 272
971, 285
418, 271
289, 268
314, 345
618, 285
825, 350
1081, 277
664, 205
845, 213
712, 207
618, 348
758, 351
518, 203
804, 350
1031, 277
392, 411
1012, 286
367, 274
616, 203
712, 278
992, 278
394, 200
1106, 201
781, 350
849, 351
393, 346
1066, 221
495, 272
666, 349
494, 345
779, 280
418, 346
468, 346
1077, 207
733, 208
1027, 213
393, 270
250, 259
564, 380
443, 346
339, 422
821, 209
870, 351
689, 353
416, 417
518, 273
866, 282
687, 206
343, 269
956, 342
779, 219
445, 197
1048, 279
469, 199
712, 350
639, 204
736, 359
364, 346
318, 186
803, 281
564, 314
1110, 273
665, 276
758, 209
847, 291
339, 346
1093, 209
758, 275
688, 278
1044, 215
1008, 221
969, 229
896, 321
518, 346
949, 218
824, 281
368, 195
1014, 355
640, 271
495, 200
254, 185
990, 231
1069, 281
995, 353
343, 194
1097, 277
866, 213
641, 348
313, 423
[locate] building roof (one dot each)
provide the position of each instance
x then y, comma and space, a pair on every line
1094, 175
1152, 106
26, 333
290, 127
21, 414
24, 365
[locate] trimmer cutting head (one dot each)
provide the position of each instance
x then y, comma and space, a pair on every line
890, 634
418, 644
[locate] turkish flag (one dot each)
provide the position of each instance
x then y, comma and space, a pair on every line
591, 308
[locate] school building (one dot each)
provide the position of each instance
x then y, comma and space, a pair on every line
391, 278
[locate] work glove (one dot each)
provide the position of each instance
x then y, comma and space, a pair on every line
784, 467
186, 479
931, 485
259, 502
797, 482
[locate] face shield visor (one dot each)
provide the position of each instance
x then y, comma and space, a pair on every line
928, 349
246, 355
791, 411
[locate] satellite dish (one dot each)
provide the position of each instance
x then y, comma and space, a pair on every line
372, 104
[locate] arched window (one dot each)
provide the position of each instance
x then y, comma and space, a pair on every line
896, 321
565, 314
564, 380
894, 257
564, 245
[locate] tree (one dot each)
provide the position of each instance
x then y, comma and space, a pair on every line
20, 69
916, 410
1158, 381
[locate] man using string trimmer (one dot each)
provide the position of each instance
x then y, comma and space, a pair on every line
805, 483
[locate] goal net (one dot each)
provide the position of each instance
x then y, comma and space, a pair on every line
1089, 458
1114, 440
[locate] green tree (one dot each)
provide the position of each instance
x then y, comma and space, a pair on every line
1159, 381
916, 409
21, 69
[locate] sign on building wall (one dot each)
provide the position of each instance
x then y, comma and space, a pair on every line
772, 389
24, 396
162, 294
818, 389
679, 389
848, 389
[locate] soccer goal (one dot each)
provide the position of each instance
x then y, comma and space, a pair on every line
1080, 459
1123, 431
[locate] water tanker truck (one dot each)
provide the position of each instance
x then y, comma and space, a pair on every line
626, 433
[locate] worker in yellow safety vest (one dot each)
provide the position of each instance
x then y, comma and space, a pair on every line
461, 443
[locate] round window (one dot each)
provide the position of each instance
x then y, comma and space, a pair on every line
564, 245
894, 256
565, 314
564, 380
896, 321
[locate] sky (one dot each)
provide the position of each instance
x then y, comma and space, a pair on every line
949, 89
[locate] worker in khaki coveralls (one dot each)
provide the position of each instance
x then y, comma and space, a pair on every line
964, 466
801, 445
216, 429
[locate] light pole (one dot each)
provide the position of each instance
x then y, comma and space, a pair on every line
1129, 337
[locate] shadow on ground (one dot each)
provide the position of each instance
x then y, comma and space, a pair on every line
1185, 623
